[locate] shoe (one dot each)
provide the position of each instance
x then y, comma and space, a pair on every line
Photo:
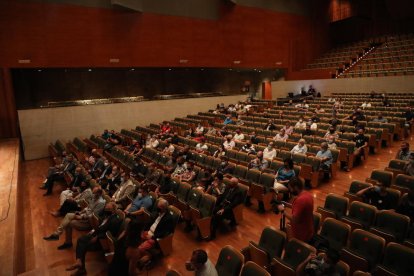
65, 246
73, 267
52, 237
79, 272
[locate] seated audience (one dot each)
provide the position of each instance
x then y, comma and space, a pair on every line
189, 174
175, 139
269, 152
270, 125
153, 142
180, 168
404, 152
125, 189
79, 220
312, 125
308, 131
162, 226
165, 128
409, 120
334, 121
315, 118
223, 132
58, 175
199, 129
323, 264
300, 147
229, 143
238, 136
361, 143
326, 156
409, 167
112, 181
288, 129
201, 147
259, 163
331, 134
228, 121
248, 148
211, 131
217, 187
224, 168
301, 124
221, 151
319, 110
169, 148
225, 204
112, 222
71, 199
281, 136
283, 176
380, 119
378, 196
406, 206
200, 264
254, 139
141, 203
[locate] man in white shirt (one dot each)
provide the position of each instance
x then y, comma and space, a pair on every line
238, 136
229, 143
200, 264
269, 152
201, 147
126, 188
199, 129
169, 148
153, 142
301, 124
300, 147
281, 136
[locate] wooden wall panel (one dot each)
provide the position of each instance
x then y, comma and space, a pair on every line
53, 35
8, 114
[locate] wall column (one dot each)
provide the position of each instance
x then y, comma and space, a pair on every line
8, 112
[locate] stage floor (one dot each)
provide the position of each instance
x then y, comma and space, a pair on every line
9, 169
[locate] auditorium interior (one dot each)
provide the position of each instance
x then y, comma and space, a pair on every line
207, 137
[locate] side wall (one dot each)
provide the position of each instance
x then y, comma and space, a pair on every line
354, 85
39, 127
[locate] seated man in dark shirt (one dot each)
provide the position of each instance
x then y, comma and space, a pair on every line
334, 121
406, 206
225, 204
224, 167
377, 196
361, 144
112, 223
254, 139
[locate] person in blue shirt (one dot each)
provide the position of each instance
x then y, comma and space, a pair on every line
326, 157
143, 202
228, 120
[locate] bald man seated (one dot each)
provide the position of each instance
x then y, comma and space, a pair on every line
225, 204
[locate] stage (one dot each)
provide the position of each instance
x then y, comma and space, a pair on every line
9, 170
